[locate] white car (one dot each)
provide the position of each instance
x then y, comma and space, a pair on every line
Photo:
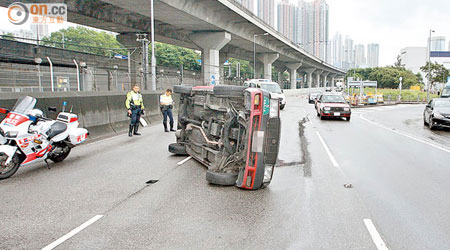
272, 87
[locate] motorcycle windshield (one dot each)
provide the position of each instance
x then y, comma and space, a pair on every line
24, 105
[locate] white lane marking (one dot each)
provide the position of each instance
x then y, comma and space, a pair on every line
330, 155
310, 120
73, 232
379, 243
184, 161
445, 149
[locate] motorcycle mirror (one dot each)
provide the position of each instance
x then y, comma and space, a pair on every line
52, 109
4, 111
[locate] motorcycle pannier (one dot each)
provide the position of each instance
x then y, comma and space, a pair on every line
78, 135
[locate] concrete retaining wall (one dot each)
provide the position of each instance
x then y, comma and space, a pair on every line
102, 113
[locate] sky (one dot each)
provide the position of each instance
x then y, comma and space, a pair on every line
394, 24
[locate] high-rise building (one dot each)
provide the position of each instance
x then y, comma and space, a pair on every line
266, 11
438, 43
348, 53
360, 55
312, 27
373, 55
249, 4
337, 50
286, 19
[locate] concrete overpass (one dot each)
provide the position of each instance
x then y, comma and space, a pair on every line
220, 29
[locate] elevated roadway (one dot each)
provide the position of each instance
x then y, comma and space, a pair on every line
220, 29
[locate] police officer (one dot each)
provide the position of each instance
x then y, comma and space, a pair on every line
166, 103
135, 107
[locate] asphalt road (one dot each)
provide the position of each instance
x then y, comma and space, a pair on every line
399, 171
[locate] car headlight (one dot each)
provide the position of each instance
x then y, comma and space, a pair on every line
347, 109
327, 108
11, 134
273, 108
438, 115
268, 172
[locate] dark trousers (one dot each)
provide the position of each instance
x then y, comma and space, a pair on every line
135, 116
168, 112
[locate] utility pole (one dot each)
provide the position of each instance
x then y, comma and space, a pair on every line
142, 38
153, 46
429, 67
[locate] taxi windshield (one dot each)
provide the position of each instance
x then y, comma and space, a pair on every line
272, 88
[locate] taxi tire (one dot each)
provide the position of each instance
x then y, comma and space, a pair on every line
222, 179
178, 149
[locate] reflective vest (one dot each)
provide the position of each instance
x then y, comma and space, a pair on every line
135, 98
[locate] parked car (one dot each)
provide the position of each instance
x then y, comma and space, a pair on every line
437, 113
272, 87
313, 96
333, 105
234, 131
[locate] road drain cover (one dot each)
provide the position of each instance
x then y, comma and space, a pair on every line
151, 181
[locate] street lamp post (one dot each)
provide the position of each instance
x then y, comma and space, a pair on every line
429, 66
400, 88
254, 51
39, 61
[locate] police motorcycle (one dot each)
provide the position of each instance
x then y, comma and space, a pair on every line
26, 136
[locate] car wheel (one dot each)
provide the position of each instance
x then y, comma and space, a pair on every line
321, 117
347, 118
425, 123
282, 107
223, 179
228, 90
430, 124
177, 148
181, 89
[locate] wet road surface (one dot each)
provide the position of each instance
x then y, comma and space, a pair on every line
399, 191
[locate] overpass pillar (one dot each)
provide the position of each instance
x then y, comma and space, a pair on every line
318, 73
211, 43
332, 80
325, 78
135, 63
293, 73
309, 72
267, 59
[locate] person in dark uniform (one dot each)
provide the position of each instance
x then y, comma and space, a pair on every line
166, 103
135, 106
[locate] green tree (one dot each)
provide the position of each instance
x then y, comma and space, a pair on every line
438, 72
387, 77
9, 36
85, 40
175, 56
246, 69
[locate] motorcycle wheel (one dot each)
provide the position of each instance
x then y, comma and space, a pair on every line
7, 171
62, 156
